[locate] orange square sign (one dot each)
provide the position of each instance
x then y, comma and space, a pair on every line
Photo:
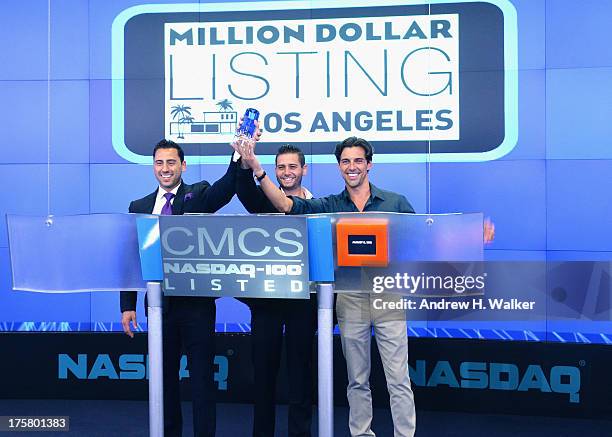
362, 242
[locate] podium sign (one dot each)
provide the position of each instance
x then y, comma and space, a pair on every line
394, 246
241, 256
213, 255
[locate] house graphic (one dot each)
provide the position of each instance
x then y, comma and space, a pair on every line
211, 123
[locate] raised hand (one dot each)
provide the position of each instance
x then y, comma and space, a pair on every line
489, 231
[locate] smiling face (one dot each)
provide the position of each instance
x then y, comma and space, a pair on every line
167, 167
354, 166
289, 171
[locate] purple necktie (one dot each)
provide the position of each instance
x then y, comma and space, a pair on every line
167, 208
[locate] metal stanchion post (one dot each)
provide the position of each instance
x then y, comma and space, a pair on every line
325, 294
156, 355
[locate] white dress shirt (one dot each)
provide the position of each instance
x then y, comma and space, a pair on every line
160, 201
307, 194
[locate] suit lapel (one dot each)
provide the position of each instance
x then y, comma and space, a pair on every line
178, 204
149, 202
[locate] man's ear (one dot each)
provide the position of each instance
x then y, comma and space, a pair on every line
305, 169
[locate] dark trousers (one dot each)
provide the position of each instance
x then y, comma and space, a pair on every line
268, 316
189, 325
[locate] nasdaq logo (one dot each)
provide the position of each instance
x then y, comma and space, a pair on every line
499, 376
422, 80
126, 367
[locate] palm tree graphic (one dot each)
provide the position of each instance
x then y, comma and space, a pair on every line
186, 119
225, 105
183, 114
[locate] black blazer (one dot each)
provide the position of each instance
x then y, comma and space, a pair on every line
251, 195
255, 201
200, 197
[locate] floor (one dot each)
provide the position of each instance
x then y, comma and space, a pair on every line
129, 418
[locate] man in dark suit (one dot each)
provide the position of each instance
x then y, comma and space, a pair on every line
270, 316
188, 322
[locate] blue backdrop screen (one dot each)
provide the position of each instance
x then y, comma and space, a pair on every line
513, 108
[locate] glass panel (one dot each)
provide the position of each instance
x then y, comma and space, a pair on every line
74, 253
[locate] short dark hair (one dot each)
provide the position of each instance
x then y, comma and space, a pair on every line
289, 148
168, 144
354, 142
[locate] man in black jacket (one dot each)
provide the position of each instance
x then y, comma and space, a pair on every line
188, 322
269, 316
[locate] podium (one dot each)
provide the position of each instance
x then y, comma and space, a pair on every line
240, 256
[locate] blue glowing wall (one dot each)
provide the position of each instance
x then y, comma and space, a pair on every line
549, 196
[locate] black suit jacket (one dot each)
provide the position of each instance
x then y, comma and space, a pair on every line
200, 197
251, 195
255, 201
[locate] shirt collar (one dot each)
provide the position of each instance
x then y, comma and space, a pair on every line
375, 192
307, 194
161, 191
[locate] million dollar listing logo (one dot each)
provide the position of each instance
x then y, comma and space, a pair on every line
393, 75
